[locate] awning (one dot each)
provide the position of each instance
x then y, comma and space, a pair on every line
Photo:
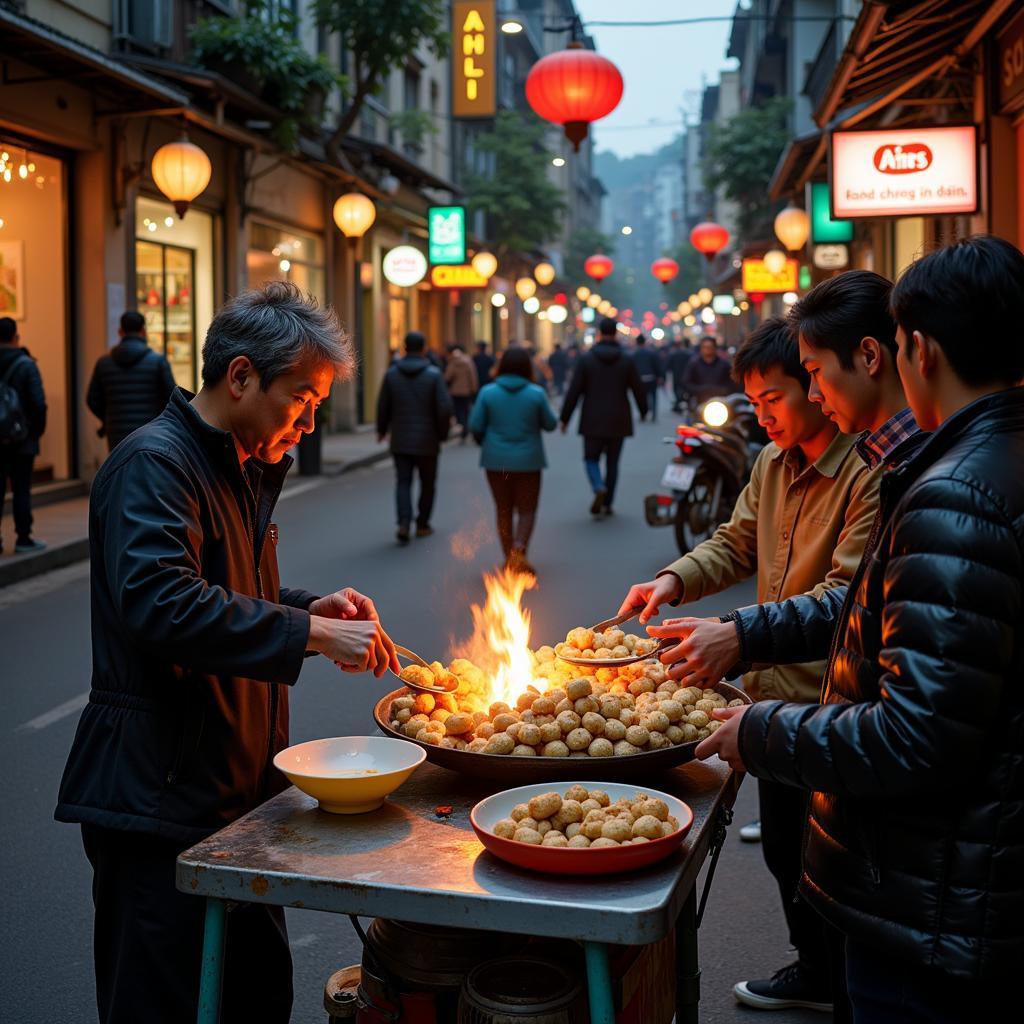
797, 164
403, 167
59, 56
895, 46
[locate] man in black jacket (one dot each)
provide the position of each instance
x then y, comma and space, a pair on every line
194, 645
603, 378
915, 843
415, 409
19, 370
649, 366
679, 357
131, 384
708, 375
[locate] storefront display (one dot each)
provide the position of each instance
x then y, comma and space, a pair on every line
278, 253
174, 283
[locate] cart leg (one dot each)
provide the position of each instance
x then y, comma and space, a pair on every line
599, 983
212, 975
687, 963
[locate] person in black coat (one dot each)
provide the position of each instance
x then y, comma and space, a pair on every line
604, 378
484, 363
19, 371
195, 645
708, 375
558, 364
679, 357
648, 365
915, 844
414, 407
131, 384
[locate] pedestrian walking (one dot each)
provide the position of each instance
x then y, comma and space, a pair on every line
801, 525
415, 409
558, 364
508, 418
195, 645
648, 365
708, 375
678, 359
130, 385
604, 378
484, 363
22, 424
914, 846
461, 379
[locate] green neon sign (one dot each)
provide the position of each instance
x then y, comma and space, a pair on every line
446, 227
823, 228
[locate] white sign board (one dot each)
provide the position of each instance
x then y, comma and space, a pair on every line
405, 266
830, 257
909, 172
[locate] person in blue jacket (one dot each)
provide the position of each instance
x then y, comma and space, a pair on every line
507, 420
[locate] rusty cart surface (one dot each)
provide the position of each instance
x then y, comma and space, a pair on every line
406, 862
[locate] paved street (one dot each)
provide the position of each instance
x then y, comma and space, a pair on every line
334, 533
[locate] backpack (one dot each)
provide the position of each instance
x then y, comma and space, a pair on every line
13, 425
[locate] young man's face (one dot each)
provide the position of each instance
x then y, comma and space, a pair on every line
783, 408
270, 422
847, 397
708, 351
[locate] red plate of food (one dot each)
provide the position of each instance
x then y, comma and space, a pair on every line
581, 828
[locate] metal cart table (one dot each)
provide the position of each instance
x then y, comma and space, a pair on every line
407, 863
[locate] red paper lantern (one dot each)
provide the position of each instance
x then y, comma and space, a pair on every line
572, 88
664, 270
709, 238
598, 266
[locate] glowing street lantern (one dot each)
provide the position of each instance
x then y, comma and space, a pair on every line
583, 293
544, 274
664, 269
525, 288
485, 264
792, 226
775, 261
181, 171
709, 238
354, 214
598, 266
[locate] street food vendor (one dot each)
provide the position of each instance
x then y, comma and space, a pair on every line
194, 646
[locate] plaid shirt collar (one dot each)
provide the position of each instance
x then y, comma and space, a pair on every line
876, 447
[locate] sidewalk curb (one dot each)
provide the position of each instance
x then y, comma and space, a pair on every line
333, 469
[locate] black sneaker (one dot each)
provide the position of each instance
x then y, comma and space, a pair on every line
792, 986
402, 535
26, 547
597, 505
425, 531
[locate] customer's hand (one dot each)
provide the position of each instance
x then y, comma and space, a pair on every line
652, 595
354, 645
345, 604
708, 648
724, 741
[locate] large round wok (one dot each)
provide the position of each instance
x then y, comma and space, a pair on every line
506, 768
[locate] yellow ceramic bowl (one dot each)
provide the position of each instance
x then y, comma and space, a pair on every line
350, 774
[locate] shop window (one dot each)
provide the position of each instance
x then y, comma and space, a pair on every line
174, 283
145, 23
283, 254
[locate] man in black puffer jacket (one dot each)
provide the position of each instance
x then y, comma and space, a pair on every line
414, 407
131, 384
915, 842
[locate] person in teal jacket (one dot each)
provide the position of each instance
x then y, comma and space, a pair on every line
507, 420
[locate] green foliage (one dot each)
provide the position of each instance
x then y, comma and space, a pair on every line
740, 157
584, 242
524, 209
262, 47
380, 35
413, 125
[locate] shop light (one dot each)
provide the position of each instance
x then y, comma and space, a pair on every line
23, 172
168, 222
1, 222
690, 320
152, 225
7, 174
497, 300
511, 27
594, 300
544, 274
559, 161
557, 313
583, 293
181, 170
366, 275
626, 229
694, 300
684, 308
478, 307
707, 314
285, 265
485, 264
775, 261
790, 298
705, 295
531, 305
542, 315
526, 287
658, 334
354, 215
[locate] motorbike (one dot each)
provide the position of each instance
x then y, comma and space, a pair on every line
715, 453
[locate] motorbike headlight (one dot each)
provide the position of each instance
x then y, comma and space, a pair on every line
716, 414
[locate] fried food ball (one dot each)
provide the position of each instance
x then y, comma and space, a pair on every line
638, 735
564, 705
602, 841
609, 706
550, 731
432, 739
476, 746
629, 642
589, 805
602, 653
647, 826
578, 793
506, 828
657, 721
621, 651
616, 829
402, 716
623, 748
592, 828
523, 750
529, 734
545, 653
528, 835
614, 730
689, 732
499, 743
580, 638
402, 703
703, 734
691, 694
414, 726
579, 688
485, 730
524, 702
425, 702
513, 731
641, 685
578, 739
567, 721
519, 812
667, 828
674, 734
705, 705
503, 720
672, 709
479, 717
698, 718
583, 705
658, 741
593, 723
543, 706
655, 807
544, 827
544, 805
579, 842
457, 725
554, 838
574, 828
736, 703
600, 796
555, 748
601, 747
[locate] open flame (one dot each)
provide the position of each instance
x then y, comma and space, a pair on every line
500, 644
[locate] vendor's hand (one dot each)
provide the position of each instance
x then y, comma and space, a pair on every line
354, 645
345, 604
708, 648
724, 741
652, 595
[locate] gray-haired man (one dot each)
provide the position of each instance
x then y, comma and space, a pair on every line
194, 644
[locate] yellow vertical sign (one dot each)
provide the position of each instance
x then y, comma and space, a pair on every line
474, 40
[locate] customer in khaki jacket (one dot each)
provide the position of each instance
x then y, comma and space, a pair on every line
800, 525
